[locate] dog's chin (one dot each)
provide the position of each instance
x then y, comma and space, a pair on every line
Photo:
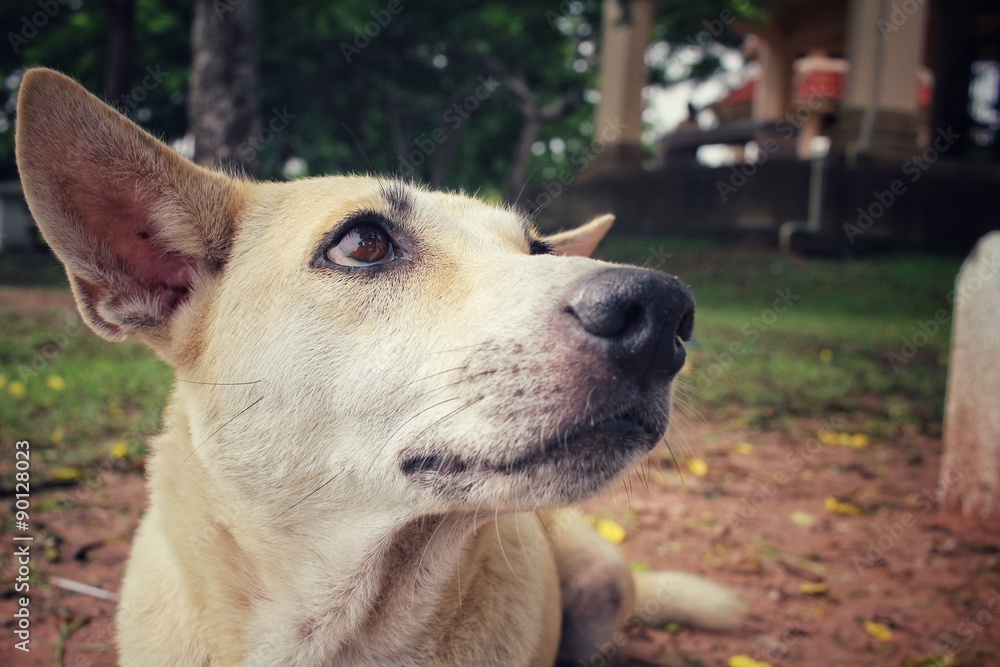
564, 469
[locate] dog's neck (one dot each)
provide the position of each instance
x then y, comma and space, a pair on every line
357, 574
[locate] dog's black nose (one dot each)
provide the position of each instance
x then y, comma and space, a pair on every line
639, 315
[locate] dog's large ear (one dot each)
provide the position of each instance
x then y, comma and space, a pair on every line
138, 227
582, 241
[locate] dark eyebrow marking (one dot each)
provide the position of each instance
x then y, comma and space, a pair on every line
539, 247
398, 196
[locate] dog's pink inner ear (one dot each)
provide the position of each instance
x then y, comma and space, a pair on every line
126, 274
125, 228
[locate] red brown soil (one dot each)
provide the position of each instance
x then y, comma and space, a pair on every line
931, 582
32, 300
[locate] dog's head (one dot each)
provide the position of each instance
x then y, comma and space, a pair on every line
355, 340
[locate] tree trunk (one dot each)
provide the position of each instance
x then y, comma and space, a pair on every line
970, 467
118, 59
223, 104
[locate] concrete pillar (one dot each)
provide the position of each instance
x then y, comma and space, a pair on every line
773, 92
970, 466
618, 126
885, 46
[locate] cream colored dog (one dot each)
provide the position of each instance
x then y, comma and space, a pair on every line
383, 396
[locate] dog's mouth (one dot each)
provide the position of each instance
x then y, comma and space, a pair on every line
609, 440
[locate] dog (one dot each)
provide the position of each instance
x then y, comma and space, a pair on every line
387, 398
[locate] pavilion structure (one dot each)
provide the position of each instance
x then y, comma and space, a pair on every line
860, 72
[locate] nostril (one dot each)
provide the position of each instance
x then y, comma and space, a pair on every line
633, 315
686, 325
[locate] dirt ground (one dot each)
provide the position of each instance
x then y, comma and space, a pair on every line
839, 551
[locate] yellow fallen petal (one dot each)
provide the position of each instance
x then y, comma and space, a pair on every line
804, 519
878, 631
827, 437
813, 588
66, 474
611, 531
57, 436
119, 450
55, 383
826, 355
16, 389
838, 507
932, 660
859, 441
746, 661
743, 448
698, 467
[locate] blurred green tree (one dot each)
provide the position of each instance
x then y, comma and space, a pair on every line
454, 93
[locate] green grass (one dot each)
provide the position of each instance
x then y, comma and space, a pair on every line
857, 310
73, 395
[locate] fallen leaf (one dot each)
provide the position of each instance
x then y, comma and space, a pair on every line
813, 588
859, 441
879, 631
746, 661
804, 519
611, 531
838, 507
698, 467
66, 474
931, 660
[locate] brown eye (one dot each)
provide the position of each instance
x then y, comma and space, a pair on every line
364, 245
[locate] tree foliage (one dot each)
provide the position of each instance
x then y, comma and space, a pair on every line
359, 85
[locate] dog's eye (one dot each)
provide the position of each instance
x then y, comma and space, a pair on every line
364, 245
